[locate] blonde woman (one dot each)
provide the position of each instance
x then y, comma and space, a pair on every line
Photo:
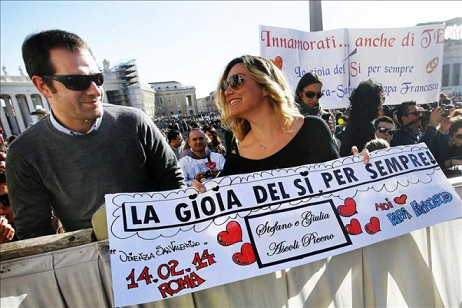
257, 105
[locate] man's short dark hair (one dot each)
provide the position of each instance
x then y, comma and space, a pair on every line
383, 119
172, 134
403, 110
376, 144
36, 50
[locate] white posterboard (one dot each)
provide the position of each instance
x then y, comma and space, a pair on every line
165, 244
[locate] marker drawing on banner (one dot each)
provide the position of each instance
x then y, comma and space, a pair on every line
165, 244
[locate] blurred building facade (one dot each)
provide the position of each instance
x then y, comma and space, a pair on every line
207, 104
452, 58
174, 99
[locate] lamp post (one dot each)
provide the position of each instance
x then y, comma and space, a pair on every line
315, 16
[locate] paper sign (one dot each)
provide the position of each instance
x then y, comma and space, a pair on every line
165, 244
406, 61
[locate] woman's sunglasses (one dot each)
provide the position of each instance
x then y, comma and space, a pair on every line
311, 94
234, 81
78, 82
384, 130
459, 136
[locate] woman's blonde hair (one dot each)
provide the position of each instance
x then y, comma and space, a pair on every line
270, 77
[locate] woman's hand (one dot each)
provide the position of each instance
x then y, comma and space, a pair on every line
6, 231
364, 153
199, 186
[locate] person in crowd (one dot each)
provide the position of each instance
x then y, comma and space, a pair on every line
215, 144
447, 145
365, 103
200, 164
384, 128
67, 162
340, 128
307, 96
185, 151
256, 104
3, 150
456, 112
376, 144
2, 138
7, 231
175, 140
409, 118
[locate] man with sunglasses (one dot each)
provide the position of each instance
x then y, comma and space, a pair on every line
83, 149
384, 128
409, 118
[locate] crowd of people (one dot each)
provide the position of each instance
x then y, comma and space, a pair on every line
261, 124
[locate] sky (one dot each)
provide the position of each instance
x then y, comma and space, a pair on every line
192, 41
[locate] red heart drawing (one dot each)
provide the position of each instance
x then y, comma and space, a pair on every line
348, 209
373, 227
246, 256
211, 165
277, 61
233, 234
401, 199
354, 227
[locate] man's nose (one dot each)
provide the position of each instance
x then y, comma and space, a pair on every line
94, 89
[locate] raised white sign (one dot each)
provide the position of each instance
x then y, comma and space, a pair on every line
406, 61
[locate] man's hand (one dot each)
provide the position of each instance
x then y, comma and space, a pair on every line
445, 125
435, 117
6, 231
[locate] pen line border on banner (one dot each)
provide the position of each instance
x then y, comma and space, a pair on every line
301, 256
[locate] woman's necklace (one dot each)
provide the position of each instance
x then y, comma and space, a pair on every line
261, 145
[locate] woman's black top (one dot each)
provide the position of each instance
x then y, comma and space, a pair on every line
312, 144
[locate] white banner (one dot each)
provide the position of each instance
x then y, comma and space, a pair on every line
406, 61
165, 244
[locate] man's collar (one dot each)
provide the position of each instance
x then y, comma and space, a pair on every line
70, 132
193, 155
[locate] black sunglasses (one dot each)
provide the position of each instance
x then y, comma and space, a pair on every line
384, 130
459, 136
78, 82
5, 200
417, 113
234, 81
311, 94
